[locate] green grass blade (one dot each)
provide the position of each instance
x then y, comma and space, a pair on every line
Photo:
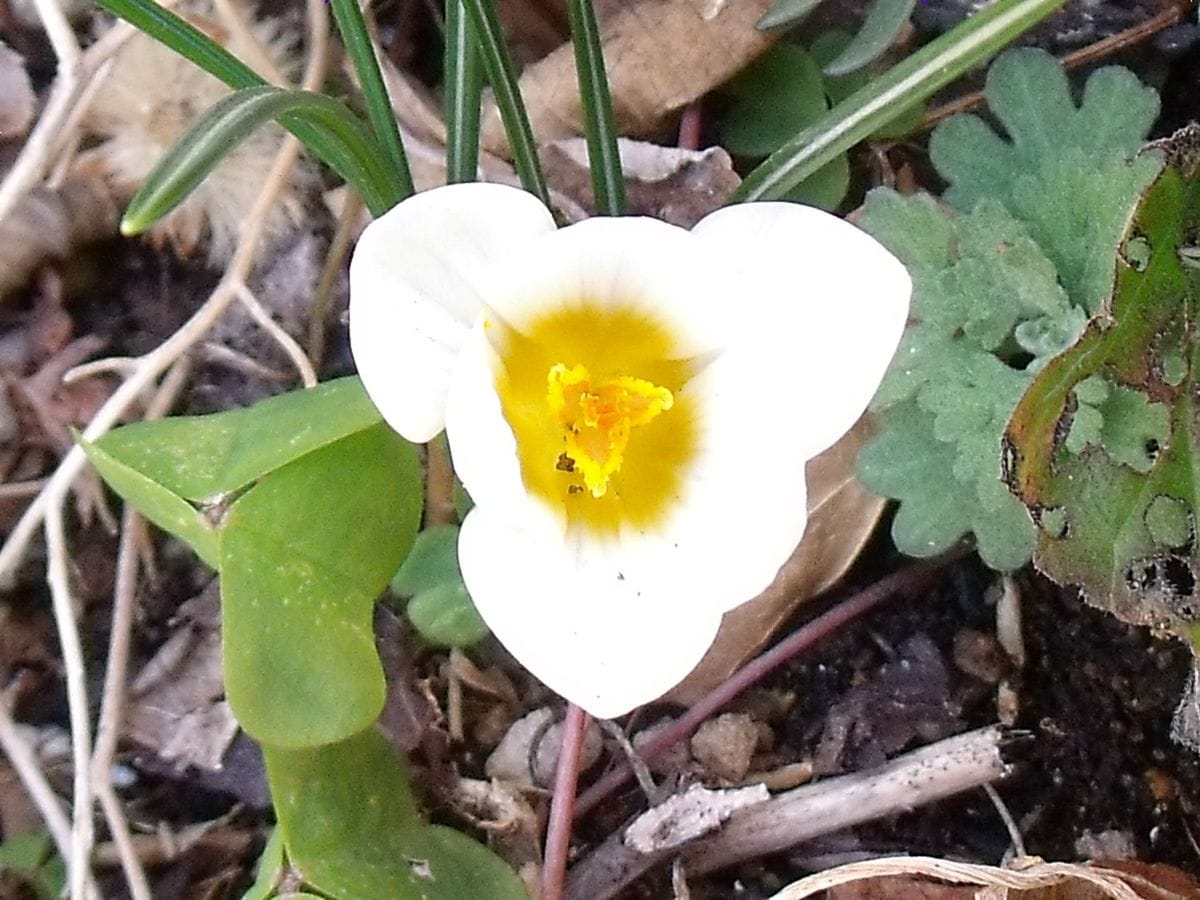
501, 74
462, 88
191, 43
897, 90
356, 156
604, 161
379, 107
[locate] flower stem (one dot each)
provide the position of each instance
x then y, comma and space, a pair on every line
558, 830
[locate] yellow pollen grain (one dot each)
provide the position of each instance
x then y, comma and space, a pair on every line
597, 418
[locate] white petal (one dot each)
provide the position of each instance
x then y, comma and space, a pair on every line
616, 262
826, 305
482, 444
414, 292
743, 507
587, 630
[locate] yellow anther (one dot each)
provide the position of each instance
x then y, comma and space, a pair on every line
597, 419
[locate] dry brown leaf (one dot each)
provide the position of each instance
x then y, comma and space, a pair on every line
669, 183
660, 56
175, 702
842, 515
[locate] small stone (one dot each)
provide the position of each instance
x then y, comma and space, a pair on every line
549, 747
510, 760
1109, 844
725, 745
528, 753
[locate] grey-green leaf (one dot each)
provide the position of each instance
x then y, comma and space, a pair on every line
786, 12
880, 28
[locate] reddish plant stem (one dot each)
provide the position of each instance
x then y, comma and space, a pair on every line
800, 640
690, 126
558, 829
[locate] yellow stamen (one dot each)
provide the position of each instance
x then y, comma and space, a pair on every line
597, 419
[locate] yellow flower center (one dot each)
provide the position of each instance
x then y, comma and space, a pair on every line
597, 419
595, 397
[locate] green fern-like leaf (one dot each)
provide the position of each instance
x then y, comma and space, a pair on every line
1007, 271
1067, 172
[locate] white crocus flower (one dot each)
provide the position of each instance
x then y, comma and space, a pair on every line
631, 406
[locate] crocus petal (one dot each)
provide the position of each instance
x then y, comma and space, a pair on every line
584, 628
829, 304
743, 509
628, 262
415, 292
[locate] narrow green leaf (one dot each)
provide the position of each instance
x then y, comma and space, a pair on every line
202, 458
379, 107
165, 508
356, 155
502, 76
304, 554
351, 828
901, 87
191, 43
882, 24
604, 160
786, 12
463, 86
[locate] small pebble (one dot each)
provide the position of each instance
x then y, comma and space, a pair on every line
725, 745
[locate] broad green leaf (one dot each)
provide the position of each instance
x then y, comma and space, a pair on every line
825, 188
444, 615
880, 28
351, 827
440, 608
432, 561
271, 869
304, 553
1116, 496
888, 97
775, 96
786, 12
203, 458
31, 859
162, 506
358, 158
